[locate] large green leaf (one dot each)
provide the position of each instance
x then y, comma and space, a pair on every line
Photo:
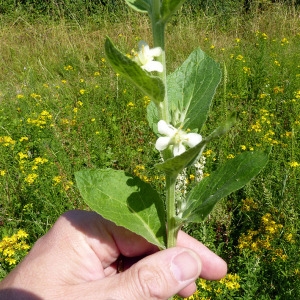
126, 201
233, 175
149, 85
139, 5
191, 89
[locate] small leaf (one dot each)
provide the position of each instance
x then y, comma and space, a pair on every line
149, 85
139, 5
191, 89
126, 201
169, 7
176, 164
152, 116
233, 175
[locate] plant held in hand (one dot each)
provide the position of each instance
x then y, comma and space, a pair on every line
180, 103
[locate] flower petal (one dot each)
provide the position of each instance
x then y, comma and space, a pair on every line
165, 128
151, 66
154, 52
162, 143
192, 139
178, 149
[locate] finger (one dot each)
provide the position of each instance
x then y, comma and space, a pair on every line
158, 276
213, 267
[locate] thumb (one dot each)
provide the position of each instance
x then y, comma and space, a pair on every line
158, 276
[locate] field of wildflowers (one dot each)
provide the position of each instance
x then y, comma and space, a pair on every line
63, 109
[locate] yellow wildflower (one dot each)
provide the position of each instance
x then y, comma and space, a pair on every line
31, 178
294, 164
23, 138
22, 155
57, 179
69, 68
40, 160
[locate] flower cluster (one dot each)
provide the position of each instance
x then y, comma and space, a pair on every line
145, 57
40, 120
216, 289
264, 239
141, 172
175, 137
7, 141
13, 248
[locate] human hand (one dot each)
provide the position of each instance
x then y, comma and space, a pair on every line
79, 258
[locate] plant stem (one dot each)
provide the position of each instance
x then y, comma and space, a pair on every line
158, 31
171, 211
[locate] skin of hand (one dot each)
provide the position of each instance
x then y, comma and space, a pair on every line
81, 256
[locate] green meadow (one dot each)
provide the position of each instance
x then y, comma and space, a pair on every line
63, 109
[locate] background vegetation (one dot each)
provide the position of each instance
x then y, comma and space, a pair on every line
63, 109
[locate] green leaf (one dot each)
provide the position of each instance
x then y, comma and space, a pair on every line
125, 200
191, 89
233, 175
176, 164
152, 116
169, 7
139, 5
149, 85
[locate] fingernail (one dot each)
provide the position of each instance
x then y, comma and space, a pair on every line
186, 266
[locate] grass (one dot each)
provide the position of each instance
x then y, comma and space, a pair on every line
63, 109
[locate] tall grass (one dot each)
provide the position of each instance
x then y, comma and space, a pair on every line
63, 109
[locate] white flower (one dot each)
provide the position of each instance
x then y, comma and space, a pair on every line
176, 137
145, 58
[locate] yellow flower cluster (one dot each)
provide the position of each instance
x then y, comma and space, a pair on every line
35, 96
26, 164
208, 290
40, 160
40, 120
294, 164
67, 184
130, 104
249, 204
13, 248
260, 240
68, 68
231, 281
216, 288
262, 35
265, 125
7, 141
70, 122
139, 171
30, 178
147, 100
